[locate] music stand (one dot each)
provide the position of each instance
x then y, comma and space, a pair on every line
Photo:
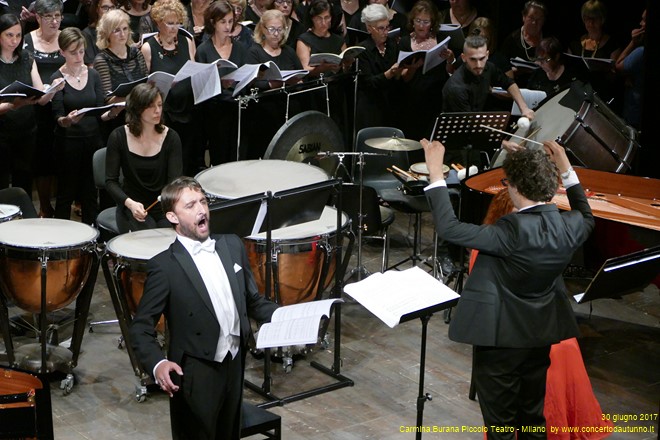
250, 210
463, 131
279, 206
622, 275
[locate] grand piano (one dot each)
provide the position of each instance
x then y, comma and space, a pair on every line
626, 208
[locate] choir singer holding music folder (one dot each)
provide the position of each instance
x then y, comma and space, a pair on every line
206, 291
514, 305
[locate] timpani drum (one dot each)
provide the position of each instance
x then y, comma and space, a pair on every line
247, 177
67, 249
9, 212
305, 258
129, 254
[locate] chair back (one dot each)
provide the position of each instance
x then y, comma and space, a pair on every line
98, 167
350, 204
375, 172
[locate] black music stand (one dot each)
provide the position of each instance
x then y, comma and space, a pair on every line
424, 314
250, 210
622, 275
465, 131
280, 205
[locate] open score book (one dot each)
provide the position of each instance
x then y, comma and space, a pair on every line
297, 324
393, 294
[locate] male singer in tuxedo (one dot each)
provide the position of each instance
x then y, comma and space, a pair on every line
514, 304
206, 291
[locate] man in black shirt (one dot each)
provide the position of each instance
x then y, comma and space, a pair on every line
468, 89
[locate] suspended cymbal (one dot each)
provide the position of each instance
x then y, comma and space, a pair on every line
393, 144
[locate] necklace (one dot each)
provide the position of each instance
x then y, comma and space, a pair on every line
76, 76
425, 44
525, 46
584, 43
9, 61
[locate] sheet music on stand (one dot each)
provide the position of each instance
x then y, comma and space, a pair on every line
396, 296
458, 130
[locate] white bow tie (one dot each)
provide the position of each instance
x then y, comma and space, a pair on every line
208, 246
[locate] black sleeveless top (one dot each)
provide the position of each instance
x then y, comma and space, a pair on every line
47, 62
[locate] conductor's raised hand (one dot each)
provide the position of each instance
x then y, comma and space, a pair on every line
435, 157
163, 376
558, 155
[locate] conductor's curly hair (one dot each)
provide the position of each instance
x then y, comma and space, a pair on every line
532, 173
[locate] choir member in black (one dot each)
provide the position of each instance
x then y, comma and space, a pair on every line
396, 19
196, 10
270, 35
77, 135
486, 28
42, 44
319, 39
379, 72
297, 27
136, 9
256, 9
522, 42
424, 90
597, 43
241, 33
118, 62
148, 155
18, 133
168, 51
264, 119
556, 72
461, 12
350, 8
219, 114
96, 10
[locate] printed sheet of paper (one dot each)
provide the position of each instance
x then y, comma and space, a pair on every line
392, 294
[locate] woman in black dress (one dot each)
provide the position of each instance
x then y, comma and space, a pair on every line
241, 33
77, 136
423, 91
97, 9
42, 44
148, 154
522, 42
556, 72
219, 114
168, 51
297, 27
378, 85
18, 133
118, 62
319, 39
136, 10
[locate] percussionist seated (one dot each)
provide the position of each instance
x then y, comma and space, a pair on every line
146, 155
206, 291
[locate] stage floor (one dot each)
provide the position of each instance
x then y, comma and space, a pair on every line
620, 343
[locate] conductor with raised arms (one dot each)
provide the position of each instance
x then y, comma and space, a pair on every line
206, 291
514, 304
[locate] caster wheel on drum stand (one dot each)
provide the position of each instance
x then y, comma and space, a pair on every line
325, 342
140, 393
287, 364
66, 385
120, 342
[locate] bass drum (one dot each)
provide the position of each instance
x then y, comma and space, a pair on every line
594, 137
303, 137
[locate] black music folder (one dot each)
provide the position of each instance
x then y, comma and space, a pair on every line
622, 275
